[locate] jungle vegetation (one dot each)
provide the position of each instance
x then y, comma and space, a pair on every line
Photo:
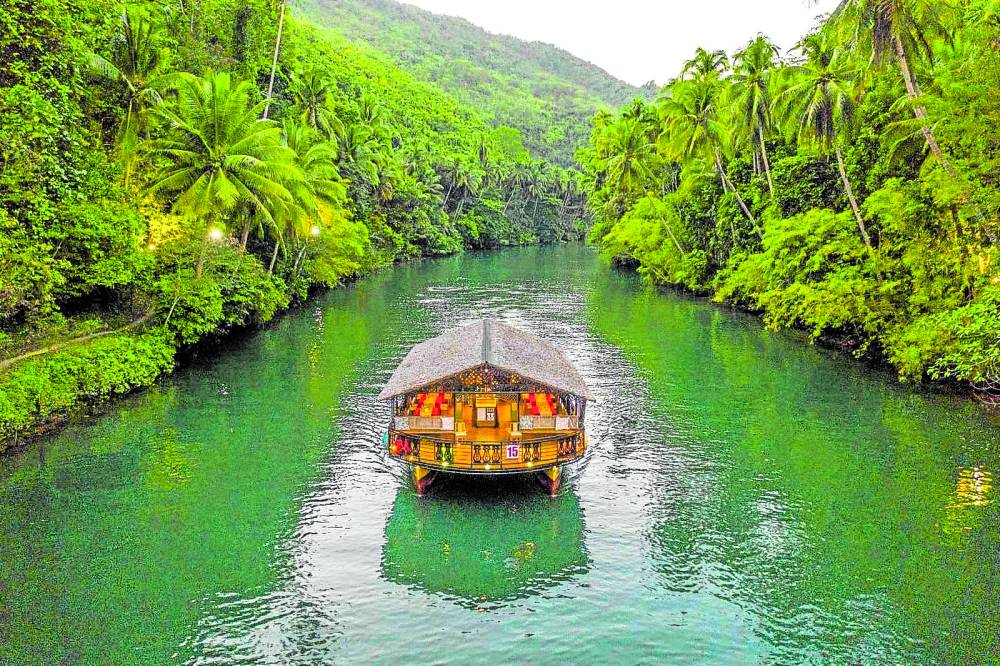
850, 187
547, 93
170, 171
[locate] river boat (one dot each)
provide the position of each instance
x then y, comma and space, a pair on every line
487, 399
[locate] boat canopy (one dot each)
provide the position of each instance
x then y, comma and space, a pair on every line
485, 343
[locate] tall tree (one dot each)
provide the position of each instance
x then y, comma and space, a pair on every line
692, 129
753, 68
136, 62
274, 60
706, 63
818, 106
902, 31
217, 156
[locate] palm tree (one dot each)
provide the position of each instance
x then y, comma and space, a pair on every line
819, 103
692, 129
274, 60
217, 157
706, 64
899, 30
320, 190
751, 81
311, 94
136, 62
625, 158
535, 185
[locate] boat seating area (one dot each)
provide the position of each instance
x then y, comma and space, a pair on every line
430, 404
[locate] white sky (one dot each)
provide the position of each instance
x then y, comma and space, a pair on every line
639, 40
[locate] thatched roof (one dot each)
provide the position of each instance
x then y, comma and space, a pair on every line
485, 342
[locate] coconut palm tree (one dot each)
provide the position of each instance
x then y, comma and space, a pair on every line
753, 69
136, 62
311, 94
903, 31
692, 129
217, 157
625, 157
818, 106
705, 64
320, 192
899, 31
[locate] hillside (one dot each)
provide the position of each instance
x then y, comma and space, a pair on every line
126, 235
547, 93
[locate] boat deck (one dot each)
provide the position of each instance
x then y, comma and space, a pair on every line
490, 435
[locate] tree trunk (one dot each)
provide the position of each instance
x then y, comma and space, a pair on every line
721, 172
725, 188
854, 202
913, 92
767, 162
743, 205
274, 61
274, 257
509, 199
666, 225
447, 196
920, 111
245, 235
199, 267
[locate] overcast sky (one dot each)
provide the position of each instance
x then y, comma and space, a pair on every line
639, 40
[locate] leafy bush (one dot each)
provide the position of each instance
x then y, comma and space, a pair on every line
234, 290
813, 272
37, 389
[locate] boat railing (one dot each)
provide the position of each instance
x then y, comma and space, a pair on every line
447, 423
493, 457
549, 422
443, 423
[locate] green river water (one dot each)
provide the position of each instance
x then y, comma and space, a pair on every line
749, 499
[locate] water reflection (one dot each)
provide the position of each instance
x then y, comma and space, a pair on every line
749, 500
972, 488
484, 542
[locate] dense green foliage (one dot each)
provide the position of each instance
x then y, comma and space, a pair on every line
545, 92
196, 167
849, 188
113, 365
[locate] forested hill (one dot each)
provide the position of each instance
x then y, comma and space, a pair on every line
165, 178
546, 92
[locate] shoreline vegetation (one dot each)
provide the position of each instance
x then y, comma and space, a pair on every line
847, 188
170, 172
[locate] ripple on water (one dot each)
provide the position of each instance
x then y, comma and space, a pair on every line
747, 500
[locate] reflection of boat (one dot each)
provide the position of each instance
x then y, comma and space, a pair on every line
481, 543
487, 399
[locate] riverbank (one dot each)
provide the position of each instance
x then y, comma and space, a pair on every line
43, 390
862, 349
